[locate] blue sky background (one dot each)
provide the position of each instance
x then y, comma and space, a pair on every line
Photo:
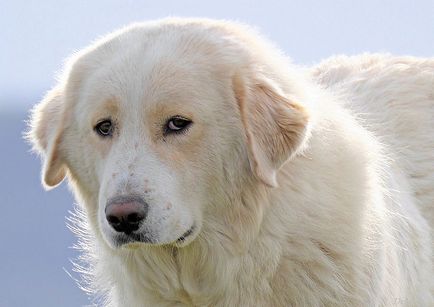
36, 37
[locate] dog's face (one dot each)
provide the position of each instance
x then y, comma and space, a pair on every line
151, 128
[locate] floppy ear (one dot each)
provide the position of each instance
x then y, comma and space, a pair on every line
46, 129
275, 126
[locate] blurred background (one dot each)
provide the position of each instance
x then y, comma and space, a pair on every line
36, 37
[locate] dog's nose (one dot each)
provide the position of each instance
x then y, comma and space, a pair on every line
125, 213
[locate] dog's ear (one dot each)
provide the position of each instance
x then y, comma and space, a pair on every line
275, 126
46, 130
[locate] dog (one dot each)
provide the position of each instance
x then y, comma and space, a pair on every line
211, 171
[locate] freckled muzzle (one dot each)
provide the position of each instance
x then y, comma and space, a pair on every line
130, 222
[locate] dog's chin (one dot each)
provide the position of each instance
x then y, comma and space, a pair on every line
137, 240
130, 240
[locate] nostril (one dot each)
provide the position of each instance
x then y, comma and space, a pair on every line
134, 218
113, 220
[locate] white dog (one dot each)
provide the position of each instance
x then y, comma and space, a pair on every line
212, 172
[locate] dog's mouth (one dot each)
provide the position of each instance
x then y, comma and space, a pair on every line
135, 239
186, 234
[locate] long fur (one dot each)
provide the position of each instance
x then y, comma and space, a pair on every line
348, 220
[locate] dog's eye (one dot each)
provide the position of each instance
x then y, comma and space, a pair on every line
177, 124
104, 128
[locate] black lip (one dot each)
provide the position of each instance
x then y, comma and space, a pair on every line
186, 234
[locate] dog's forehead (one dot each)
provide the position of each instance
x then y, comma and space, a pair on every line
162, 72
140, 68
139, 48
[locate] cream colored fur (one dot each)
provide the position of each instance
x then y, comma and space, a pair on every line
307, 186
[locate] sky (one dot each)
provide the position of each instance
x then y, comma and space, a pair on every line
37, 37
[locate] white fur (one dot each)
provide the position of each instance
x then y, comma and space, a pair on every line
308, 187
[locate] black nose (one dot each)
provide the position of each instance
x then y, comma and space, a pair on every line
125, 213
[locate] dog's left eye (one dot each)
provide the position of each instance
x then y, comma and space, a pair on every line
176, 124
104, 128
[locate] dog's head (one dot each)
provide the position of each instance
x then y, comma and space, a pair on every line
160, 125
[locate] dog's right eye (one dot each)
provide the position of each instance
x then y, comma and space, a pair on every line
104, 128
